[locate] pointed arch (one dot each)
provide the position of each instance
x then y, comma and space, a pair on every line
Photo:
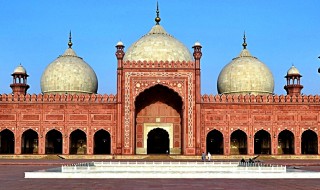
286, 142
7, 142
102, 142
78, 142
238, 142
29, 142
309, 142
262, 142
158, 141
215, 142
160, 107
54, 142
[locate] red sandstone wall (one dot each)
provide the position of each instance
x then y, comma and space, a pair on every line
253, 113
65, 113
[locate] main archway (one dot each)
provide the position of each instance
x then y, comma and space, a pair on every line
158, 142
215, 142
6, 142
238, 142
54, 142
158, 107
286, 142
29, 142
309, 142
262, 142
102, 142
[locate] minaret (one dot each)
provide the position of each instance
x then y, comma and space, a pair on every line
293, 86
120, 99
197, 54
19, 85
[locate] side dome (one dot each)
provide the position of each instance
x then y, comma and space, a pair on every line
245, 74
20, 70
69, 74
293, 71
157, 45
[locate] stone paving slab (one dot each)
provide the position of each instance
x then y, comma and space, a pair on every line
12, 177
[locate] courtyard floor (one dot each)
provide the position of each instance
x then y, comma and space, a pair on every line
12, 177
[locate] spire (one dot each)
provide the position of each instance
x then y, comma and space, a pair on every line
70, 42
244, 44
157, 19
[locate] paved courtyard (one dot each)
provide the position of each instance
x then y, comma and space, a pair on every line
12, 177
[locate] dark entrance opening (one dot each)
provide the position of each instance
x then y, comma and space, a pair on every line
54, 142
238, 142
78, 142
29, 143
6, 142
262, 142
158, 141
286, 142
102, 142
215, 142
309, 142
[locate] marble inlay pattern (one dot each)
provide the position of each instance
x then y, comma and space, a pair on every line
159, 78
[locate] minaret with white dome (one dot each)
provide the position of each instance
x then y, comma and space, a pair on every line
293, 86
19, 84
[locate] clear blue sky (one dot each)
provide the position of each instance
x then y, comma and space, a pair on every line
279, 33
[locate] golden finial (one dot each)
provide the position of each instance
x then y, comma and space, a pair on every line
70, 42
157, 19
244, 44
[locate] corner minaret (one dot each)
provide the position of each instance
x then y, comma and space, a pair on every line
293, 86
19, 85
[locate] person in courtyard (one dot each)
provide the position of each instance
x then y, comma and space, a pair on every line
203, 157
209, 156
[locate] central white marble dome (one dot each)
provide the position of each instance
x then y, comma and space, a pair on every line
157, 45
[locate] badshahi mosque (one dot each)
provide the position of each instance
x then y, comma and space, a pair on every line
158, 107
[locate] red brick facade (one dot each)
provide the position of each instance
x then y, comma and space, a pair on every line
155, 94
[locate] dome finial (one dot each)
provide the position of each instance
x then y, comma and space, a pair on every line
157, 19
70, 42
244, 44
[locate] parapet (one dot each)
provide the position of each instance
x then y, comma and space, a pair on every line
265, 99
158, 64
92, 98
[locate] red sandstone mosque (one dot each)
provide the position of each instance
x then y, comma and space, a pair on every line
158, 108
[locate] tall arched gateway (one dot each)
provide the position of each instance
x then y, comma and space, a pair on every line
158, 111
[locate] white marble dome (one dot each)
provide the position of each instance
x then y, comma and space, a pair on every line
245, 74
20, 69
157, 45
69, 74
293, 71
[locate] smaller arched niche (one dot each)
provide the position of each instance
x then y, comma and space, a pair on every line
309, 142
262, 142
238, 142
102, 142
215, 142
54, 142
29, 142
78, 142
286, 142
